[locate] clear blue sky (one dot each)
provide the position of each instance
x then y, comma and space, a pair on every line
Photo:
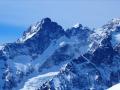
17, 15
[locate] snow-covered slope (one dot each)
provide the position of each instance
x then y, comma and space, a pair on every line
33, 83
115, 87
98, 69
49, 57
45, 47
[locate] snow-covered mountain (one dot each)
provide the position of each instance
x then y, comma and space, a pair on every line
47, 57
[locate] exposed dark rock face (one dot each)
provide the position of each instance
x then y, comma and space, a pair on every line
86, 59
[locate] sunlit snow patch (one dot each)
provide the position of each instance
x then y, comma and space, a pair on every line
36, 82
62, 44
76, 25
115, 87
1, 47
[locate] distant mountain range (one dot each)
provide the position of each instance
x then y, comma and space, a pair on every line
48, 57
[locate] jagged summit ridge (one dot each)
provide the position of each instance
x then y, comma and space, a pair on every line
96, 70
113, 24
41, 26
40, 50
45, 48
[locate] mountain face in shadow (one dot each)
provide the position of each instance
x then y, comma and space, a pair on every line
47, 57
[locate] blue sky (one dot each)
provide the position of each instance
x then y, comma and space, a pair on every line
17, 15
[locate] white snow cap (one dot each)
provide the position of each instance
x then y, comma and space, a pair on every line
116, 20
33, 30
77, 25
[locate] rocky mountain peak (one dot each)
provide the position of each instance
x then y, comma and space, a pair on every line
113, 24
88, 58
46, 26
